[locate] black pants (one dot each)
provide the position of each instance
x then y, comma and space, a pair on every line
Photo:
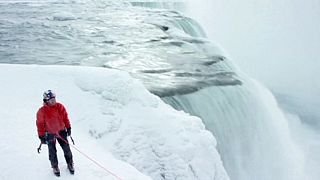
51, 141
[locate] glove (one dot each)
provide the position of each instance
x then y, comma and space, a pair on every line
42, 139
69, 132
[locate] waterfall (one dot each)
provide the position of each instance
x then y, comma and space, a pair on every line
254, 139
253, 136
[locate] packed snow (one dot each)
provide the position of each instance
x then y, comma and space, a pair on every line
116, 122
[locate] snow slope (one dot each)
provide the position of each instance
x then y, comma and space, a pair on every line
21, 89
113, 117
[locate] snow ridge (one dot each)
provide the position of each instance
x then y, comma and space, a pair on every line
143, 131
112, 116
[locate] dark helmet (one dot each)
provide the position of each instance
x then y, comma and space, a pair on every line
47, 95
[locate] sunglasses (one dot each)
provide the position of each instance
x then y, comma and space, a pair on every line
46, 100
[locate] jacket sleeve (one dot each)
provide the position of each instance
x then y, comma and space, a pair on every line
41, 124
65, 117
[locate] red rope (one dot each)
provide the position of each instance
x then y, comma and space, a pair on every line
95, 162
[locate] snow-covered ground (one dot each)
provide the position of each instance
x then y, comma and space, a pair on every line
115, 121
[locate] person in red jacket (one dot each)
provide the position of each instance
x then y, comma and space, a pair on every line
53, 125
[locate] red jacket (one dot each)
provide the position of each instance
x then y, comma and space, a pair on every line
52, 119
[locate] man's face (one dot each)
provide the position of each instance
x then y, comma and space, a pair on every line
51, 102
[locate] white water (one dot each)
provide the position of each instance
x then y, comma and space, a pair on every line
253, 135
278, 43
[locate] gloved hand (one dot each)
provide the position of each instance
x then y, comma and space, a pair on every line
42, 139
69, 132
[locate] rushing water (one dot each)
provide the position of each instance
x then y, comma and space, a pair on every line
162, 47
254, 138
